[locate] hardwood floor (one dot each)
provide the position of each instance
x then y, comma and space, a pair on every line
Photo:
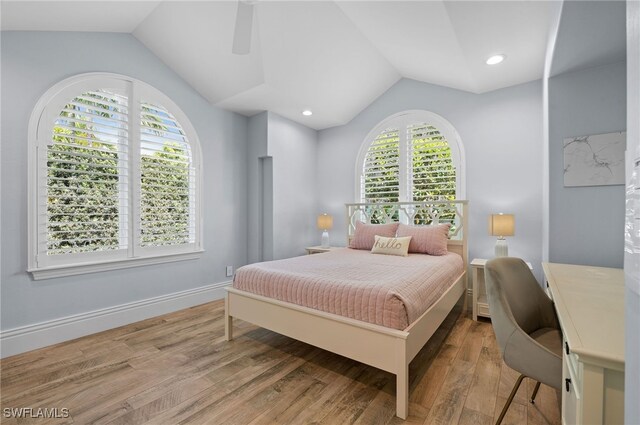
177, 369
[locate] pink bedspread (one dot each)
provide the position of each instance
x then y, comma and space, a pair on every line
382, 289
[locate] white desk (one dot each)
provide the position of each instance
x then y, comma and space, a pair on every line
590, 306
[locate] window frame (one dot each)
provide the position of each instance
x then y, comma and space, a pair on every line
402, 121
41, 124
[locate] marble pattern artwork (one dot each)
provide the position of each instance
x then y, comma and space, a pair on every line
596, 160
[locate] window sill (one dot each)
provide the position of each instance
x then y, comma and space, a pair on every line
103, 266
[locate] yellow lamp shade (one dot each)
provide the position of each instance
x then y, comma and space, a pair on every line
502, 224
325, 222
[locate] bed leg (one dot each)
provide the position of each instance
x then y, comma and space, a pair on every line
228, 320
402, 392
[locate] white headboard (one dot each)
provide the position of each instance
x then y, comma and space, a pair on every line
417, 214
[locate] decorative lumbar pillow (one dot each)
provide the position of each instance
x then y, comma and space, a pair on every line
391, 246
364, 236
430, 240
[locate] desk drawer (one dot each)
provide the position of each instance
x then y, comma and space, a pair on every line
574, 366
547, 289
571, 395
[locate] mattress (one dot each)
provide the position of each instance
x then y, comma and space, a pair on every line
384, 290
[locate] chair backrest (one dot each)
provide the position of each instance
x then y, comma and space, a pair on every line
514, 297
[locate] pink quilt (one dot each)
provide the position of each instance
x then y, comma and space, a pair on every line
381, 289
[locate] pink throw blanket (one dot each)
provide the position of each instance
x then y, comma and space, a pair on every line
381, 289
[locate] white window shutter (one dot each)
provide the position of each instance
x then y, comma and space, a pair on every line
433, 174
429, 172
381, 170
411, 157
167, 181
113, 178
83, 184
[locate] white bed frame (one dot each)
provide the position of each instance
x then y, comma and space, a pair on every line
385, 348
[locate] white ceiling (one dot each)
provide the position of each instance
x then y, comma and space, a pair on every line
333, 57
98, 16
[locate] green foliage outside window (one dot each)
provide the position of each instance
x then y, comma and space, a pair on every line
165, 197
432, 174
83, 195
382, 174
87, 181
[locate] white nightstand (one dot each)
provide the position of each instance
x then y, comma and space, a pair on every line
318, 249
480, 303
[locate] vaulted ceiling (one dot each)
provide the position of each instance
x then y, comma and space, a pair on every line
332, 57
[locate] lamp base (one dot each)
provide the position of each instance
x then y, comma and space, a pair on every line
502, 250
325, 239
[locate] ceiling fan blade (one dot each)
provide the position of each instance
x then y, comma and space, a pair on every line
244, 25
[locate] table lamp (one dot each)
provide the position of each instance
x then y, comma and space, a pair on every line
501, 225
325, 223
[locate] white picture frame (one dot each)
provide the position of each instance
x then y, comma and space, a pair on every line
594, 160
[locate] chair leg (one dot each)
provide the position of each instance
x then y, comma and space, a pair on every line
535, 392
510, 399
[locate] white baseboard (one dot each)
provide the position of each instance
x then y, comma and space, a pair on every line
30, 337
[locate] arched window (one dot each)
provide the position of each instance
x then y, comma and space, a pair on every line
114, 177
412, 156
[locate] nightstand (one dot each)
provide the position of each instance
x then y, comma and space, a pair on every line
318, 249
480, 303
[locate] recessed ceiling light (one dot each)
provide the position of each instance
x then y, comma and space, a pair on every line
496, 59
307, 112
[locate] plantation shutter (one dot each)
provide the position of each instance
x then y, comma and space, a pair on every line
381, 172
113, 178
84, 186
167, 180
433, 174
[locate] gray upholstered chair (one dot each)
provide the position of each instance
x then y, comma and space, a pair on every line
525, 323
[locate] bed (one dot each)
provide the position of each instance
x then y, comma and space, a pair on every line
273, 294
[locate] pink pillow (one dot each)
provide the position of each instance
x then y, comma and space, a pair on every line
430, 240
365, 235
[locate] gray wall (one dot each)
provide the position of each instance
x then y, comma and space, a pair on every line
632, 256
31, 63
585, 223
591, 33
256, 155
282, 194
501, 132
293, 148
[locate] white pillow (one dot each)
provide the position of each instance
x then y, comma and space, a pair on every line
391, 246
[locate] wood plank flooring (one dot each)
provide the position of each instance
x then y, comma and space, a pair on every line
177, 369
